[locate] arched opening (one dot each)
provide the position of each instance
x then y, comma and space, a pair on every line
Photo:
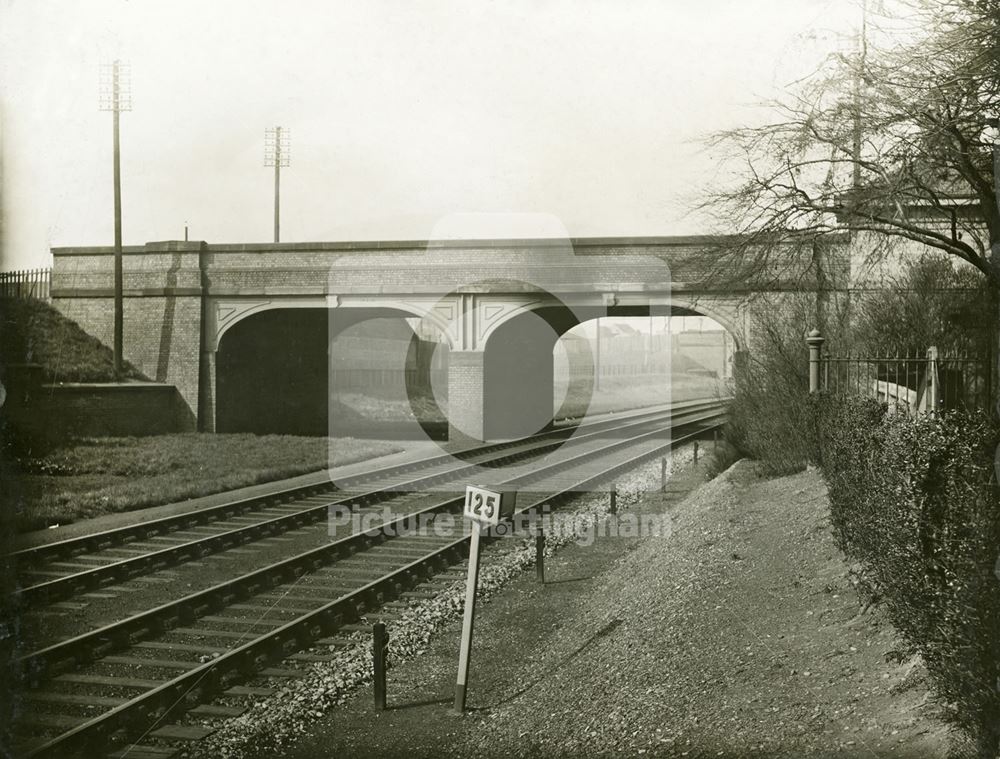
271, 374
621, 362
388, 375
382, 372
555, 364
338, 372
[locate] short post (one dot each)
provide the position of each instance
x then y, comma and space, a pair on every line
696, 453
614, 499
380, 655
815, 342
932, 380
540, 554
715, 440
663, 475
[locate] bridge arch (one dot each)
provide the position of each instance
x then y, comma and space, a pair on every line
502, 388
727, 311
284, 369
518, 366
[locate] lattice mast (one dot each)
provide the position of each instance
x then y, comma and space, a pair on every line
277, 154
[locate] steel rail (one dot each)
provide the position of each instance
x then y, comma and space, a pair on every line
175, 696
127, 568
143, 530
200, 682
86, 647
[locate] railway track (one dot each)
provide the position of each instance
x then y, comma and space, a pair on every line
93, 690
62, 569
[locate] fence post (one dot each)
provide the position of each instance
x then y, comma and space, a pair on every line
380, 653
932, 380
540, 554
815, 342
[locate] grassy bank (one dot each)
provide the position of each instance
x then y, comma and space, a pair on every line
108, 475
32, 331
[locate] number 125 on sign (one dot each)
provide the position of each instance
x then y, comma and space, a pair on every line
482, 505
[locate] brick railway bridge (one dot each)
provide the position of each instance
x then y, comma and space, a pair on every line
243, 323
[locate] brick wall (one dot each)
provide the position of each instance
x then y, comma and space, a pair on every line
52, 414
161, 304
465, 395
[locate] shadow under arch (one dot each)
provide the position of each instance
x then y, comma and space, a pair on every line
277, 373
271, 373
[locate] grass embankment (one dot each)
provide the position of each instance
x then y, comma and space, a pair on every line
97, 476
33, 332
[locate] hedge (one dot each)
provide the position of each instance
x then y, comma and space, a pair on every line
914, 500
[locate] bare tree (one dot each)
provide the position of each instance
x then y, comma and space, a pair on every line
891, 142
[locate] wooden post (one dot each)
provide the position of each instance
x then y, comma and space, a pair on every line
614, 499
696, 453
380, 653
715, 440
119, 307
663, 475
468, 619
540, 555
932, 380
815, 342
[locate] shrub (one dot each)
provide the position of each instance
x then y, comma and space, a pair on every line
722, 456
914, 500
769, 416
767, 423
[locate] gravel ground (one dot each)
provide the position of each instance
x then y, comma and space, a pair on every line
739, 635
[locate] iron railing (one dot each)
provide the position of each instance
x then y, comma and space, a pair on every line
924, 383
913, 383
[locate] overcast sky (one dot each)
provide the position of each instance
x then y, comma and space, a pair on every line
400, 113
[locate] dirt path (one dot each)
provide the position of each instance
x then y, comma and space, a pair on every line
736, 636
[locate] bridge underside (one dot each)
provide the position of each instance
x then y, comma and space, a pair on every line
296, 371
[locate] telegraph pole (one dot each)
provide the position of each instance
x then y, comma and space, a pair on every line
276, 154
862, 58
116, 96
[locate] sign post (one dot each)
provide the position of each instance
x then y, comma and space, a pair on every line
468, 620
483, 508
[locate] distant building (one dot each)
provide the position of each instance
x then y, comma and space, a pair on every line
712, 349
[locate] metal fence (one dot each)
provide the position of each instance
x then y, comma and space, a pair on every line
915, 383
27, 283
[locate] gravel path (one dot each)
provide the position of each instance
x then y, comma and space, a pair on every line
736, 636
